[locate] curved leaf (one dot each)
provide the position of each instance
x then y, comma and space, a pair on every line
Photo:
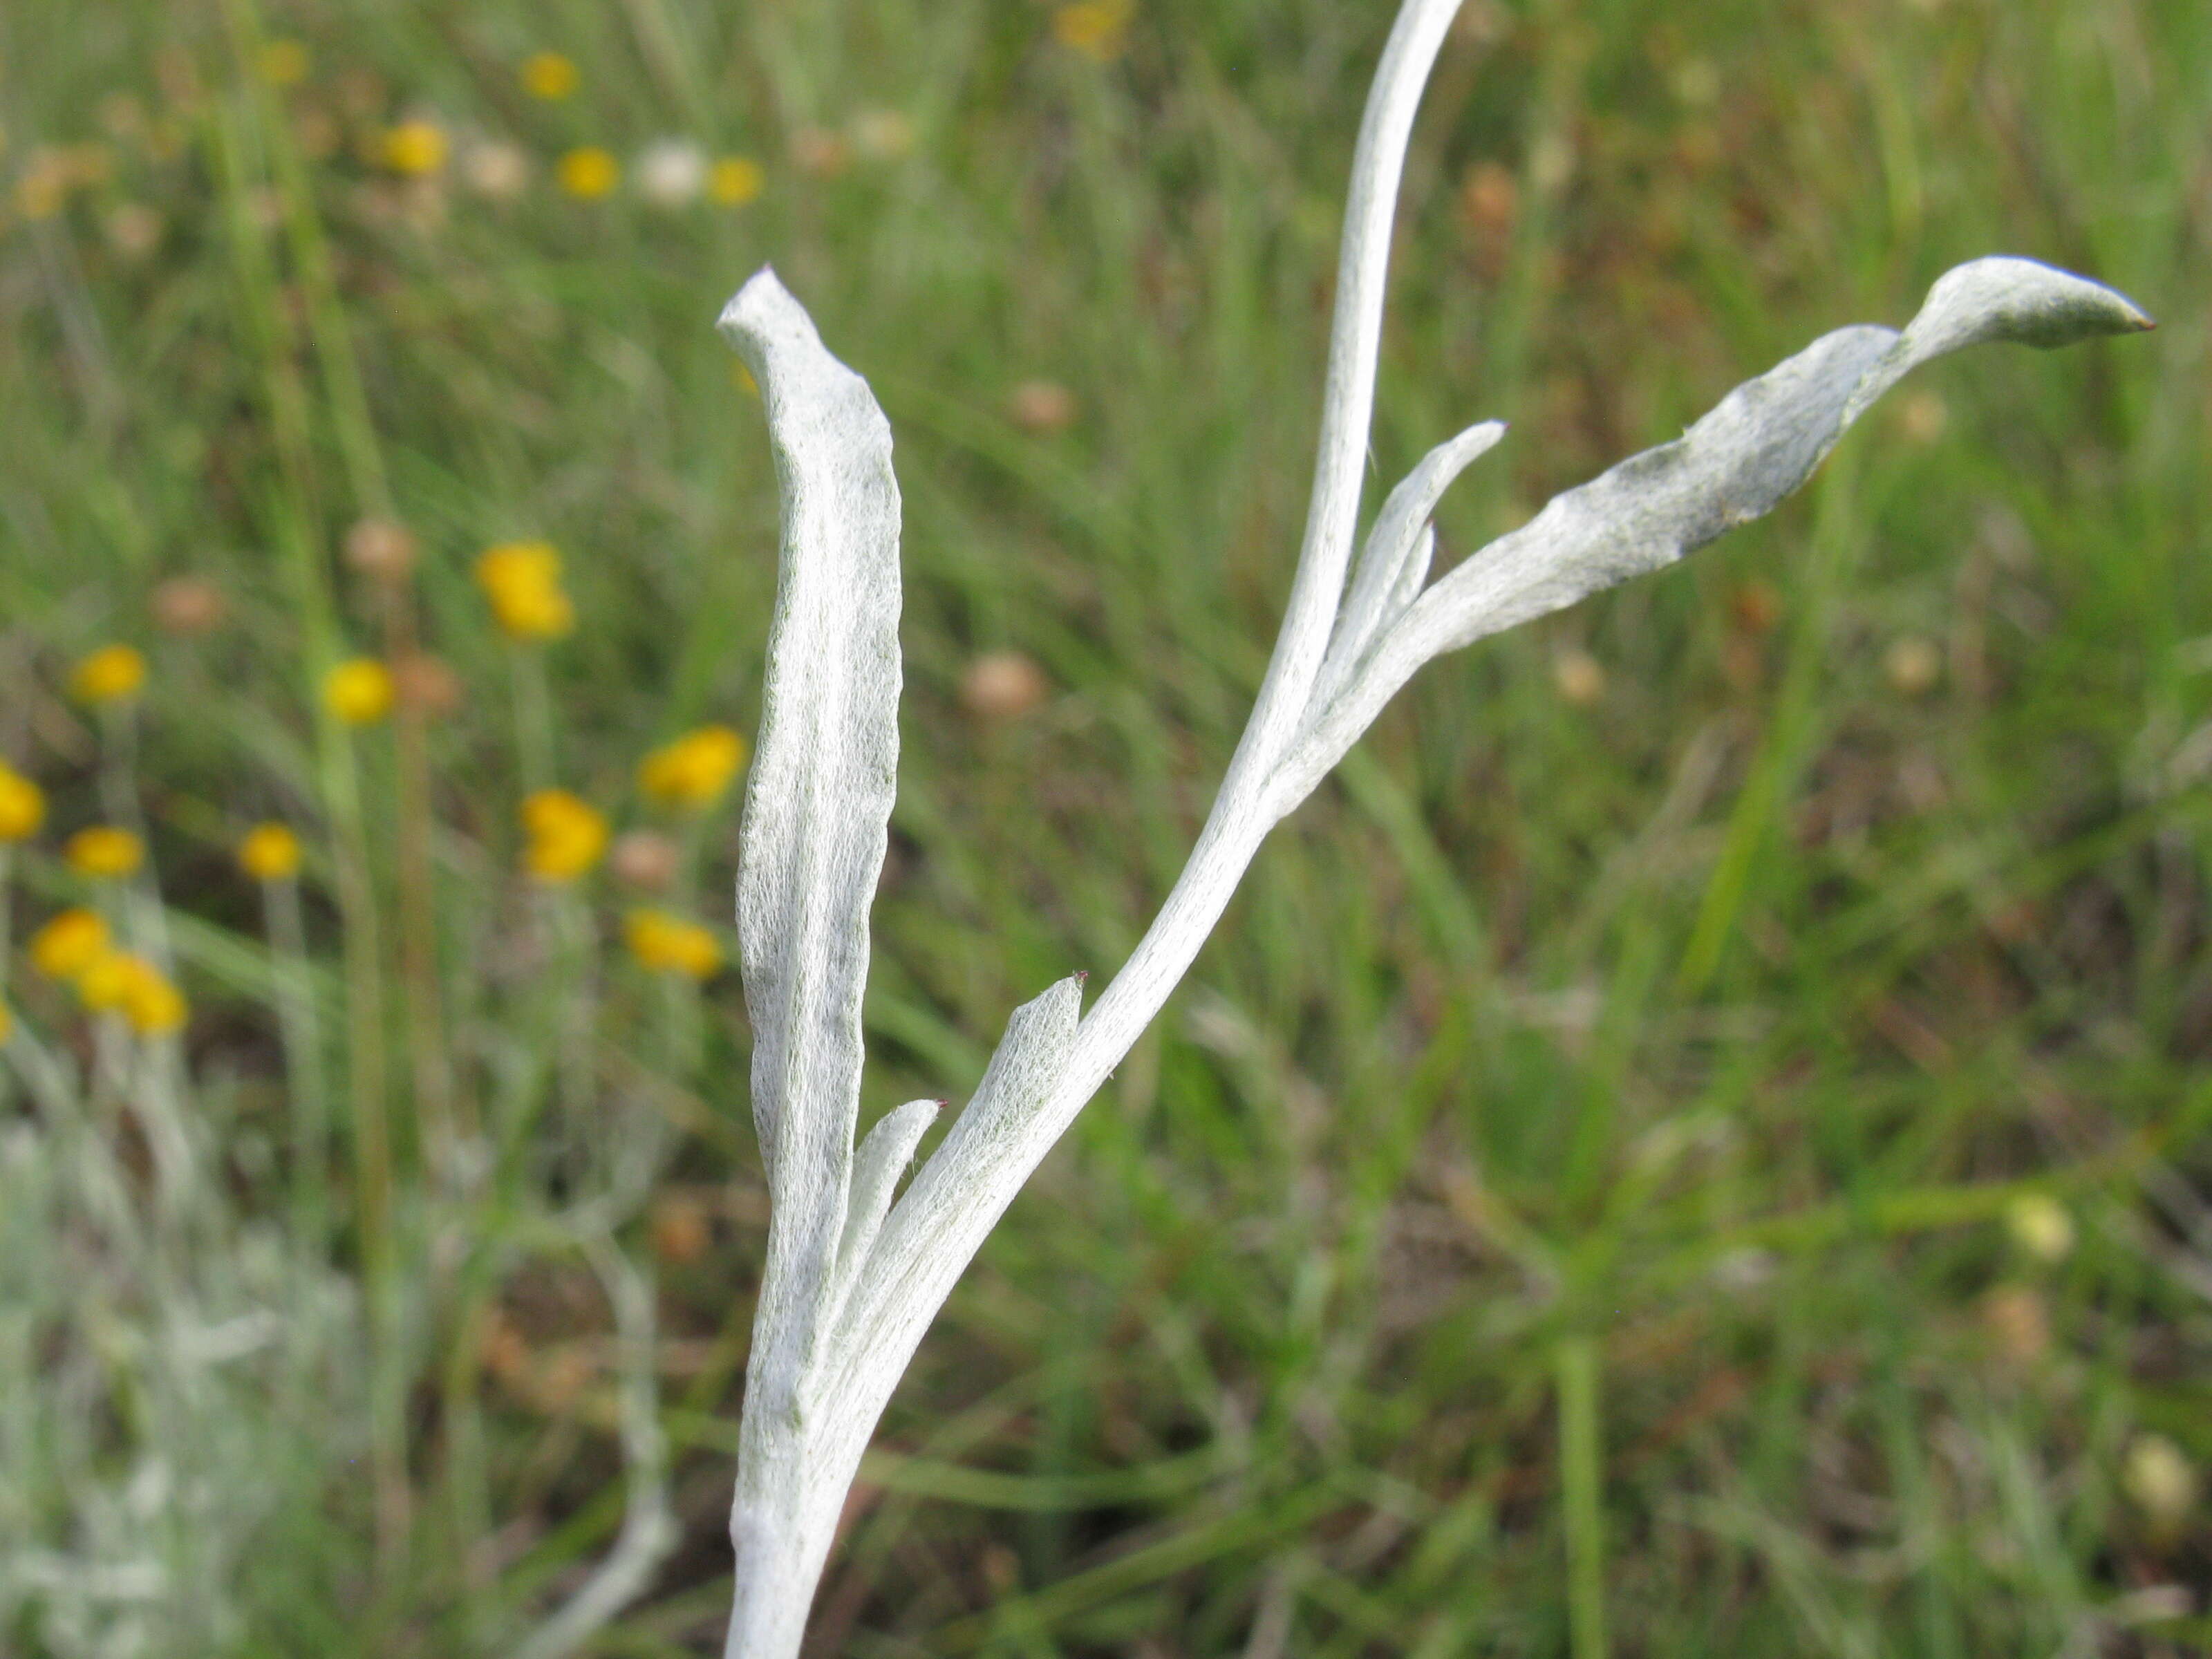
1394, 561
819, 797
1756, 446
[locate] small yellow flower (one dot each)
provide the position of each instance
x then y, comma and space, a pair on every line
548, 75
270, 852
358, 691
109, 675
69, 944
1094, 28
664, 944
522, 580
152, 1005
735, 181
566, 835
22, 806
283, 63
117, 982
104, 851
103, 983
589, 172
415, 148
7, 1024
692, 772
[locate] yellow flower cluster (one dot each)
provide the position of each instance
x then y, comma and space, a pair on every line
76, 946
111, 674
566, 835
415, 149
120, 983
68, 944
589, 173
358, 691
104, 852
22, 806
522, 580
270, 852
692, 773
665, 943
735, 181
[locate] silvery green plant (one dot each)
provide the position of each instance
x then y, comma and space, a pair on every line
853, 1278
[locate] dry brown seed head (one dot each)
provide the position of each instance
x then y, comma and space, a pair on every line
380, 549
646, 860
189, 606
425, 684
680, 1230
1041, 406
1002, 685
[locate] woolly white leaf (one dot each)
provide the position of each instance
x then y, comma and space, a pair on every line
1398, 541
1736, 465
956, 1198
793, 1474
2002, 298
1412, 577
812, 846
885, 1153
819, 797
1378, 163
991, 1131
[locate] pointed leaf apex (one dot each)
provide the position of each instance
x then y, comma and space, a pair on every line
2004, 298
761, 293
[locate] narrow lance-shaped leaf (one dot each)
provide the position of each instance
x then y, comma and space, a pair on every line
1736, 465
1394, 561
819, 797
1761, 442
963, 1189
882, 1160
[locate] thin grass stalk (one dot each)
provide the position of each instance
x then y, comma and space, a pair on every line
145, 921
300, 1032
465, 1469
295, 510
576, 1009
437, 1106
1581, 1474
7, 953
359, 943
533, 715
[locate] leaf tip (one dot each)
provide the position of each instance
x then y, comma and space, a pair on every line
2009, 298
748, 308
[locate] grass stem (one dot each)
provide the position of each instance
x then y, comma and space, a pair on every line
1582, 1469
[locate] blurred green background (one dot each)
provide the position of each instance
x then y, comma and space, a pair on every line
1694, 1142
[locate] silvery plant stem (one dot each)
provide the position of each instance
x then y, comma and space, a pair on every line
855, 1271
